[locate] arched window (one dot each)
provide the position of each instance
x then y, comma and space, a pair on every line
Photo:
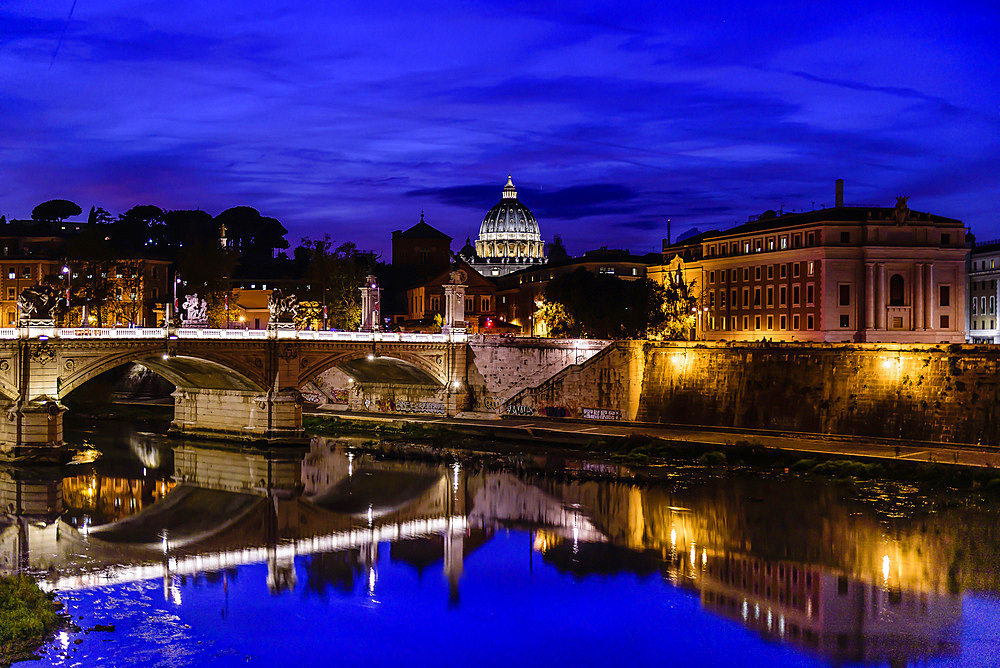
896, 290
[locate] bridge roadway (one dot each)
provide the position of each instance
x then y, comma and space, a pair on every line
231, 383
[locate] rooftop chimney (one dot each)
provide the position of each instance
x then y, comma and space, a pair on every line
840, 193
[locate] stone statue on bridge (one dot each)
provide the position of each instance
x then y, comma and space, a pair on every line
195, 311
282, 308
38, 304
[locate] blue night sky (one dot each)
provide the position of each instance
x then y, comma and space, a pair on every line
351, 118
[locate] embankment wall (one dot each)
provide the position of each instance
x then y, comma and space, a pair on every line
941, 392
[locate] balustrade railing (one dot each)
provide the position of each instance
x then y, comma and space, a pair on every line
224, 334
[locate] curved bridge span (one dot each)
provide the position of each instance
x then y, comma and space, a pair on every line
233, 383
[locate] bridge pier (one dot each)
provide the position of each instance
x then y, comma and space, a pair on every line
274, 417
32, 428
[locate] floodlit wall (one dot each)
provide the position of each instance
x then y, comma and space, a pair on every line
921, 392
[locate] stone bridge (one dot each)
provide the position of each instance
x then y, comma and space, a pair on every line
231, 383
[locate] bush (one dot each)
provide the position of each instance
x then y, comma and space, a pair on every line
27, 616
714, 458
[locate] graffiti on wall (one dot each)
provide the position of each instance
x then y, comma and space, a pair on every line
423, 407
340, 397
556, 411
491, 404
601, 413
520, 410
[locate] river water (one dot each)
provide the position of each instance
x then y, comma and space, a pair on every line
341, 553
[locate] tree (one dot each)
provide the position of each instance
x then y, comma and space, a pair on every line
680, 309
334, 277
558, 323
55, 210
99, 216
602, 306
140, 227
252, 234
127, 300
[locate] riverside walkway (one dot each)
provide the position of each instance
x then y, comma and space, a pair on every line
569, 431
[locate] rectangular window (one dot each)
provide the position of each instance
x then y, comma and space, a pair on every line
734, 302
944, 322
982, 305
756, 296
746, 323
845, 321
811, 268
810, 241
795, 270
746, 247
784, 242
746, 297
845, 237
756, 273
470, 304
11, 294
975, 308
797, 243
945, 291
485, 303
732, 275
757, 245
784, 322
845, 294
795, 296
993, 304
770, 322
770, 271
722, 299
756, 322
12, 273
435, 303
770, 297
783, 271
809, 321
711, 277
770, 244
810, 296
26, 272
746, 273
711, 300
945, 239
782, 295
795, 322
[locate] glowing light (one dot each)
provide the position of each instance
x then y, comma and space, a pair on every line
166, 356
673, 538
372, 579
676, 359
350, 464
746, 610
456, 469
887, 363
350, 380
370, 357
692, 556
166, 545
885, 568
371, 515
704, 558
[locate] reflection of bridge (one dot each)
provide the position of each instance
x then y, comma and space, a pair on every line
834, 583
237, 383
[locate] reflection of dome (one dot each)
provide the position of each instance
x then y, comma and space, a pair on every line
509, 235
509, 219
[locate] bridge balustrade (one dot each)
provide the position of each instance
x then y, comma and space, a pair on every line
228, 334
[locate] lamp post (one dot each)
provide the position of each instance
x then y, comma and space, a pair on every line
69, 283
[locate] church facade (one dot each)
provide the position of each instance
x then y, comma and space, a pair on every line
509, 238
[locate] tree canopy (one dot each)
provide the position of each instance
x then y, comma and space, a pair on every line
602, 306
55, 210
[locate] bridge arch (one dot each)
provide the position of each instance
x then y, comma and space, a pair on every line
391, 367
184, 371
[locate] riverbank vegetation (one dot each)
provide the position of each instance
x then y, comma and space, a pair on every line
28, 617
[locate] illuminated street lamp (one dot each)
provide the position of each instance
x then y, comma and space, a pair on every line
69, 283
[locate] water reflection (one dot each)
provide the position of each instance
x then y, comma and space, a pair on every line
789, 559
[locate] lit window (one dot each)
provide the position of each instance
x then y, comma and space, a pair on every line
812, 268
